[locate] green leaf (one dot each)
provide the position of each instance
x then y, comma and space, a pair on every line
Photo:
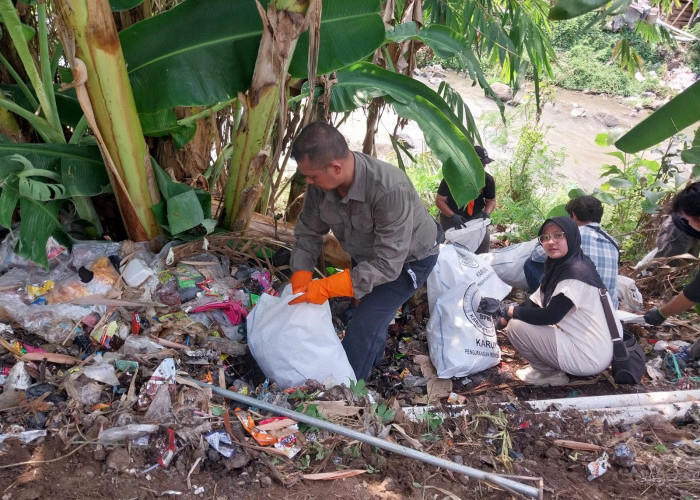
620, 183
602, 139
444, 133
81, 166
350, 31
183, 207
39, 221
204, 51
557, 211
568, 9
575, 193
9, 197
604, 197
119, 5
184, 212
677, 114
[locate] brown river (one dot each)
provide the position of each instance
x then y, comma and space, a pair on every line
575, 135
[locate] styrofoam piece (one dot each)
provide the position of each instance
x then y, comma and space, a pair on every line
136, 272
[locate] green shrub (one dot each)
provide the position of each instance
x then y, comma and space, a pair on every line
585, 68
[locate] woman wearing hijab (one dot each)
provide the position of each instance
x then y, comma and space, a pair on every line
562, 327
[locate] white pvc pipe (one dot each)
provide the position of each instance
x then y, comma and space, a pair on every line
624, 408
617, 400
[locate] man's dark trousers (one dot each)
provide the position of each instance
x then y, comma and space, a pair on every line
365, 336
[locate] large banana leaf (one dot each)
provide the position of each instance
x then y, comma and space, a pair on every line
677, 114
204, 51
568, 9
350, 31
443, 131
81, 166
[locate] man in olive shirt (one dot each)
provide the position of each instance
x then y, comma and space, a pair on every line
379, 219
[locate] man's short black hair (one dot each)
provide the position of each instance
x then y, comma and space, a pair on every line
320, 143
688, 200
586, 208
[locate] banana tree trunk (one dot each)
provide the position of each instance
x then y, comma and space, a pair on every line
283, 22
92, 48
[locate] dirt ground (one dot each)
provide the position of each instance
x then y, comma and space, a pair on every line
69, 464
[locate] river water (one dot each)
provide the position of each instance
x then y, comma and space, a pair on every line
575, 136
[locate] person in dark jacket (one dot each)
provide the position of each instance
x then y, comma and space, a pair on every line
451, 216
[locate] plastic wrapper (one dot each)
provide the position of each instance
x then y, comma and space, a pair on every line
57, 254
221, 442
101, 371
104, 278
85, 254
136, 345
125, 433
164, 374
598, 467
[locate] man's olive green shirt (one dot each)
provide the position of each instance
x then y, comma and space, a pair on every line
382, 223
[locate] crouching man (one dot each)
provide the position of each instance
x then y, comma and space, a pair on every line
379, 219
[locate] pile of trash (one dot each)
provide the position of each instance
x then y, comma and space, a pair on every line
123, 349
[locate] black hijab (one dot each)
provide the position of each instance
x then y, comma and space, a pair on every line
574, 265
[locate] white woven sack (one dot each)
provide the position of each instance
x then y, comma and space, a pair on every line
457, 266
294, 343
471, 235
509, 262
461, 341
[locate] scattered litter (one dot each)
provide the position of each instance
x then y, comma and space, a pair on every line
598, 467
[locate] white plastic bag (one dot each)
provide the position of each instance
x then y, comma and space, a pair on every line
458, 266
629, 296
460, 340
471, 235
292, 344
509, 262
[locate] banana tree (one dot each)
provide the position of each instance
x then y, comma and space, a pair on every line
92, 49
67, 168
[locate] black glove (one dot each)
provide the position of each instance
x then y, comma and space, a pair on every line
503, 312
458, 221
489, 306
654, 317
484, 215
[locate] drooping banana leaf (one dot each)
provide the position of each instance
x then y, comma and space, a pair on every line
677, 114
443, 131
81, 166
568, 9
447, 44
66, 102
204, 51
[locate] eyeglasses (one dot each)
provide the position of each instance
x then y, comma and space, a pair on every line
544, 238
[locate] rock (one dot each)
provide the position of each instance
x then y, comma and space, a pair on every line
118, 459
458, 459
265, 481
552, 453
502, 91
578, 113
607, 119
238, 460
415, 381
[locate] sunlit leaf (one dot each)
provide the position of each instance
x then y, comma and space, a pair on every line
568, 9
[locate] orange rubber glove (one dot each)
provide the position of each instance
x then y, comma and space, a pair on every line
319, 291
300, 280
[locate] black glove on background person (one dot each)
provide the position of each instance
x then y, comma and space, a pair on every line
654, 317
458, 221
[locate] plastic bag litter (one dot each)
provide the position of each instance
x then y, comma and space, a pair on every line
295, 343
461, 341
456, 266
126, 432
101, 371
471, 235
509, 262
629, 296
